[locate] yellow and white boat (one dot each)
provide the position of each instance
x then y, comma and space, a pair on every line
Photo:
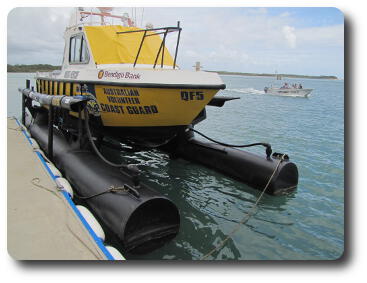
139, 91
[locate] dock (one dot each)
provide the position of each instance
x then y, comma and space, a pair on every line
41, 223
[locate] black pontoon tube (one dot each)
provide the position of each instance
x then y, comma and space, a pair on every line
252, 169
62, 101
139, 217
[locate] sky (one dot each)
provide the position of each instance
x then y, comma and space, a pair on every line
307, 41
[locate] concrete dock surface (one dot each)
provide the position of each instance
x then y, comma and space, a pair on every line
41, 225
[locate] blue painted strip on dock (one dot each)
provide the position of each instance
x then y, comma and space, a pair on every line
28, 138
71, 203
95, 237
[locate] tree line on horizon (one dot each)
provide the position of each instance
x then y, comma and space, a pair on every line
273, 75
48, 68
31, 68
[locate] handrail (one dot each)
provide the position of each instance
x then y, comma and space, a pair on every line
141, 45
165, 31
178, 42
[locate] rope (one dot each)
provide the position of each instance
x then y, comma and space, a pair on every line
19, 129
247, 216
111, 189
42, 154
36, 182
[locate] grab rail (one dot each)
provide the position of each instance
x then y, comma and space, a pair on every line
165, 31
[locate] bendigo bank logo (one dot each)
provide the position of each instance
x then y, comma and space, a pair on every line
100, 74
118, 75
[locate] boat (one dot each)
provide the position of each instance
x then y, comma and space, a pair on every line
140, 92
287, 90
119, 87
135, 94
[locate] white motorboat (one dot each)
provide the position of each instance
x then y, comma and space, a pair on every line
288, 91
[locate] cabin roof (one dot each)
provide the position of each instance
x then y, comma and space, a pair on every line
109, 47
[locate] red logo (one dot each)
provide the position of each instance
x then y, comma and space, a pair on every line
100, 74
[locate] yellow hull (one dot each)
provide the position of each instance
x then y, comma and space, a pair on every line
137, 106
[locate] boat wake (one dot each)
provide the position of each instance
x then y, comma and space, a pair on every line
249, 90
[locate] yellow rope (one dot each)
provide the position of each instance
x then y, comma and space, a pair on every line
246, 217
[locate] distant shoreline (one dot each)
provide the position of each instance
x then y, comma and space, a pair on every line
31, 68
48, 68
273, 75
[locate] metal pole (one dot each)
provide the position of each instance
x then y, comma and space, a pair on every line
164, 44
27, 85
141, 44
50, 131
159, 52
80, 126
178, 42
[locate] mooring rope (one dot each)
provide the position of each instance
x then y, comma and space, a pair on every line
111, 189
42, 154
247, 216
18, 129
36, 182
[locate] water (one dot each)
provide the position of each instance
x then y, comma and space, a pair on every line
308, 224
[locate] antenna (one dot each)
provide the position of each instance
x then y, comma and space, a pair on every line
197, 66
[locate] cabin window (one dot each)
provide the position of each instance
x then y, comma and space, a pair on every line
78, 53
84, 56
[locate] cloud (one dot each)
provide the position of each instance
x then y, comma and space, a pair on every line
233, 39
328, 36
290, 36
35, 35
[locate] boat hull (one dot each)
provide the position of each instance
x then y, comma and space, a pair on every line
289, 92
150, 107
135, 106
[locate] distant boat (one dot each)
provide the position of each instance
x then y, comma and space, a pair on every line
288, 90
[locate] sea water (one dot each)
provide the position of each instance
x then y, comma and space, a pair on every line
305, 225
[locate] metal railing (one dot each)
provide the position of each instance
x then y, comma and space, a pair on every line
165, 31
